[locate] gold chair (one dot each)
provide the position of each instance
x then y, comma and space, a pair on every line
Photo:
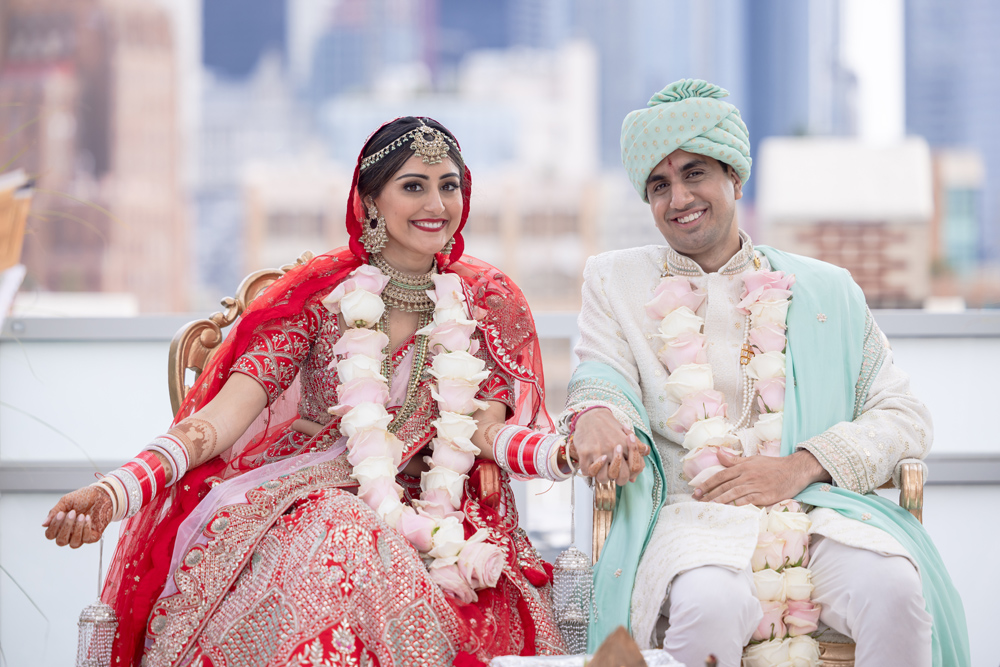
196, 342
833, 653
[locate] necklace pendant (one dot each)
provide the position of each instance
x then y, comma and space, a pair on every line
746, 354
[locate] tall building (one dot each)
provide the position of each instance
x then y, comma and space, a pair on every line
779, 59
952, 92
236, 34
88, 92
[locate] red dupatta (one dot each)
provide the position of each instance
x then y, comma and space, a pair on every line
140, 568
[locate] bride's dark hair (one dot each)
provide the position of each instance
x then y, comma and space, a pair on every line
373, 179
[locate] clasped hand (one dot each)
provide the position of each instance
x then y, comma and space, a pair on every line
606, 450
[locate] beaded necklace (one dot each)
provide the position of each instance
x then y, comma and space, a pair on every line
405, 292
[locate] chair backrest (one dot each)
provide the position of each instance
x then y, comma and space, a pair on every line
196, 342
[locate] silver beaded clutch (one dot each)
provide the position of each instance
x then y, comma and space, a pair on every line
573, 593
97, 627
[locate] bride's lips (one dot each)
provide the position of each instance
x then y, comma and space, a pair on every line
430, 224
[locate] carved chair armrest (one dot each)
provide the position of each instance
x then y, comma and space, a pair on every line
605, 497
194, 345
911, 494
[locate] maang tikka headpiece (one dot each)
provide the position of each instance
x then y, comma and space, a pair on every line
430, 143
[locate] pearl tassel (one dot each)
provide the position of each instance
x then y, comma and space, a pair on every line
747, 383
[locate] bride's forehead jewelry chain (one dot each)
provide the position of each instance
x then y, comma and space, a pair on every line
404, 292
430, 143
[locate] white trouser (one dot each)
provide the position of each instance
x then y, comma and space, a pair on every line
876, 600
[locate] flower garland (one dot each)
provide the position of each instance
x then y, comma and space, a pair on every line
782, 581
434, 524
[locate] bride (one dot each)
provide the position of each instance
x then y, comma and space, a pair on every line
335, 488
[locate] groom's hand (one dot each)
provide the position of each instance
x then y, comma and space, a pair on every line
761, 480
605, 450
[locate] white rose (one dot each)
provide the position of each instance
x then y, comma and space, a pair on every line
390, 509
798, 583
781, 521
361, 308
766, 366
372, 468
359, 366
440, 477
455, 313
460, 365
803, 651
704, 430
364, 416
769, 312
688, 379
770, 585
447, 539
766, 654
453, 426
679, 321
768, 426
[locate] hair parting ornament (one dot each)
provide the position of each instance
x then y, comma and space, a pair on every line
429, 143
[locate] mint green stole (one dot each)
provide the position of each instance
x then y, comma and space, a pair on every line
824, 359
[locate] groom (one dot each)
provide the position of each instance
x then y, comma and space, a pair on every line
677, 565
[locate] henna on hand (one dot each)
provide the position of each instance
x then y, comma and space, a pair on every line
80, 517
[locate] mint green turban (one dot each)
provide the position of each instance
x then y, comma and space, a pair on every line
686, 115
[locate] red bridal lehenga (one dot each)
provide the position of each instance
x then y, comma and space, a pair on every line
283, 564
265, 557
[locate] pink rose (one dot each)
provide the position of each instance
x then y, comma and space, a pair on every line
377, 490
447, 291
768, 553
457, 395
671, 294
770, 627
368, 342
703, 458
790, 505
768, 338
369, 279
698, 460
451, 581
417, 528
373, 442
687, 348
703, 404
480, 563
361, 390
705, 475
762, 295
771, 394
795, 553
767, 280
452, 337
802, 617
437, 503
769, 448
457, 458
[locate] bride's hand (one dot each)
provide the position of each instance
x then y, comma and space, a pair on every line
307, 427
79, 517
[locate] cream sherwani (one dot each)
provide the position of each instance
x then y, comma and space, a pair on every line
859, 455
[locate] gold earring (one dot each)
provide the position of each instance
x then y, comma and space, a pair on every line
446, 250
374, 236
